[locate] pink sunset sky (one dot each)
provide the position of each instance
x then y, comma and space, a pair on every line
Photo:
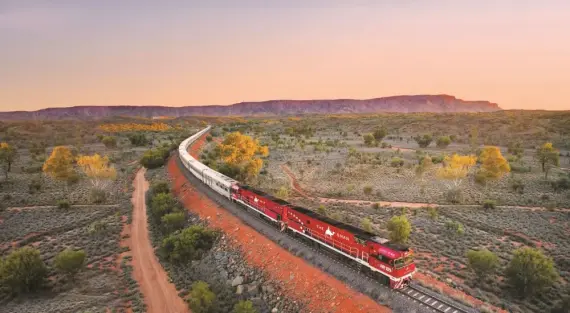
175, 53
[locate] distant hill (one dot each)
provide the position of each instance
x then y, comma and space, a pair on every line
402, 104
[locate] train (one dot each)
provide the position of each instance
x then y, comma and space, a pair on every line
391, 262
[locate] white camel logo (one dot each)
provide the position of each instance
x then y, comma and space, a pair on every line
328, 232
255, 199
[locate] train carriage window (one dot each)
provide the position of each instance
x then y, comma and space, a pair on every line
308, 222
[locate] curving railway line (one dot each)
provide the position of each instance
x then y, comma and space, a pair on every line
354, 274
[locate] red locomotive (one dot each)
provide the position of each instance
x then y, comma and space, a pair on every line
393, 261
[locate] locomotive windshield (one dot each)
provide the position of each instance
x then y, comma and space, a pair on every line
405, 261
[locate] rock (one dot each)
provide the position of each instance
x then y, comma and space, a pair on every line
239, 290
274, 310
237, 281
253, 289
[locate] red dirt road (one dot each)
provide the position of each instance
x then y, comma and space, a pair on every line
298, 279
160, 296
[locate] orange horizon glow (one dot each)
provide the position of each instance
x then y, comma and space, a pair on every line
517, 56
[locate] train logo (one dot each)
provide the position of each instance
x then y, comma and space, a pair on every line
328, 232
255, 200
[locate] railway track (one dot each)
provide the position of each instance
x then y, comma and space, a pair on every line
360, 278
430, 300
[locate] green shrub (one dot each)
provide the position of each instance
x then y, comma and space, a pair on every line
322, 210
162, 204
397, 162
437, 159
159, 187
63, 204
489, 204
244, 307
98, 195
69, 261
530, 271
172, 222
109, 142
138, 139
366, 224
424, 141
454, 228
400, 228
189, 244
482, 262
22, 271
367, 190
376, 205
155, 158
443, 142
209, 138
454, 195
433, 214
201, 299
97, 227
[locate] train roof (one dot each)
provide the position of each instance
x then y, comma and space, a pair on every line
265, 195
360, 233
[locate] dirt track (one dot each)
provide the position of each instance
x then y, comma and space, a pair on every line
160, 296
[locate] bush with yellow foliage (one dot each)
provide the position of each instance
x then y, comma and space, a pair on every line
240, 156
98, 169
456, 168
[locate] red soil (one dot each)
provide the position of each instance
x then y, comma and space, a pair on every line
160, 296
299, 280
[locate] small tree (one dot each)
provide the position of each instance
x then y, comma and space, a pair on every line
23, 271
424, 141
493, 164
397, 162
425, 164
162, 204
189, 244
69, 261
433, 214
548, 157
380, 133
489, 204
59, 165
172, 222
530, 271
482, 262
516, 149
244, 307
201, 299
399, 228
443, 141
7, 157
367, 224
109, 142
368, 140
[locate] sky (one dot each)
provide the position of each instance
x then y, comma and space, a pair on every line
178, 53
